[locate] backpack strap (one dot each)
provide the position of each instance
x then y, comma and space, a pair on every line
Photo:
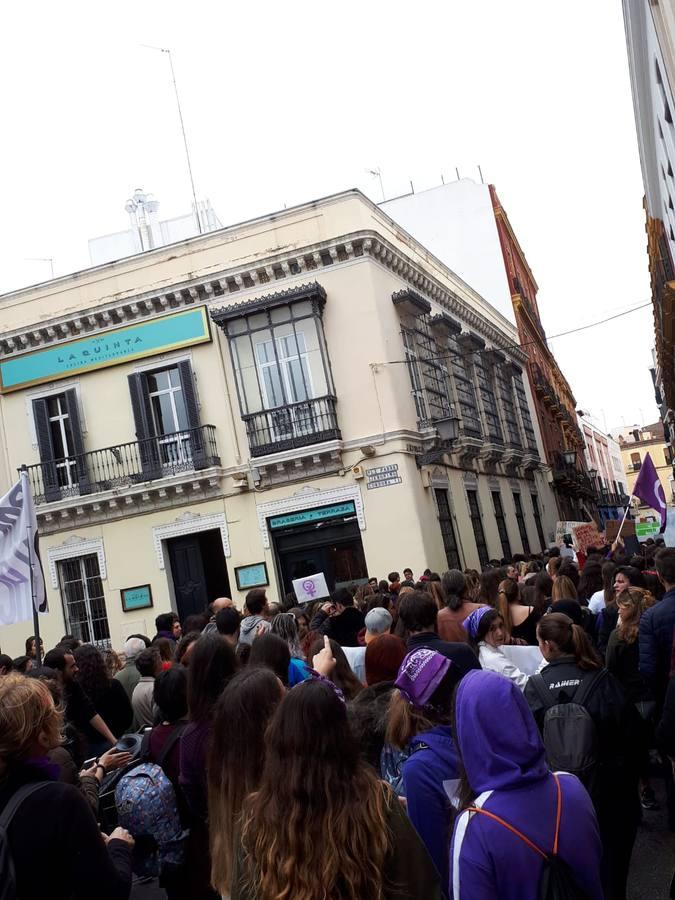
17, 799
542, 689
171, 742
587, 685
513, 830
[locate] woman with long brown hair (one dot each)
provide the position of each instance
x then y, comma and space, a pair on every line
563, 589
342, 676
236, 760
322, 824
571, 660
520, 621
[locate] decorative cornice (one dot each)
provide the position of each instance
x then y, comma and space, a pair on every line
72, 547
248, 279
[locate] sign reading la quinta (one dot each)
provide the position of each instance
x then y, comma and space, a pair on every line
106, 348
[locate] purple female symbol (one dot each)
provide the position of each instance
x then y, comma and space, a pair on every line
309, 588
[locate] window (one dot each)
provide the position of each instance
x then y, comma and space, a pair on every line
83, 600
525, 417
447, 529
477, 523
466, 392
169, 416
414, 373
520, 519
63, 465
501, 524
487, 395
635, 462
668, 455
506, 400
537, 521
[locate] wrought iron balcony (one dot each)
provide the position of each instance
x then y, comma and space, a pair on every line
294, 425
124, 465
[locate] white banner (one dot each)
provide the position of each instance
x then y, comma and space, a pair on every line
528, 659
18, 526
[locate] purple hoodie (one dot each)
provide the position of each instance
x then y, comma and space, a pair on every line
506, 766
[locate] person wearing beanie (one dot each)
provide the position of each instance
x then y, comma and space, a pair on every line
378, 621
419, 726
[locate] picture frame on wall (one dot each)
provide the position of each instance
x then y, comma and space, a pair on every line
138, 597
251, 576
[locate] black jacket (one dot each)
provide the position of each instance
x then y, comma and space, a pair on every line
461, 654
665, 731
57, 847
344, 628
623, 661
656, 642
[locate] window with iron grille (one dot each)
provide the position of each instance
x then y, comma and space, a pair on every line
487, 395
447, 529
537, 520
506, 399
520, 519
477, 523
83, 600
525, 417
501, 524
413, 364
466, 392
434, 371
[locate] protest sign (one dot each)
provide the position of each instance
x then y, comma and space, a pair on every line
565, 528
585, 536
311, 587
527, 659
612, 529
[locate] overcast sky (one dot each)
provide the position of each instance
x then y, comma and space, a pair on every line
286, 102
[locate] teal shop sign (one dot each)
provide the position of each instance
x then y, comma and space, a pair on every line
139, 597
108, 348
313, 515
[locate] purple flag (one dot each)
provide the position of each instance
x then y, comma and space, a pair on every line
649, 489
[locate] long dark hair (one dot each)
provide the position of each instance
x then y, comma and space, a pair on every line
608, 570
93, 674
272, 652
569, 638
543, 587
343, 676
318, 808
488, 590
212, 663
590, 582
236, 759
455, 588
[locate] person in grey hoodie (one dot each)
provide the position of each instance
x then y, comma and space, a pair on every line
255, 606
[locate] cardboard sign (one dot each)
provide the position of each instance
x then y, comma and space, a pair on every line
585, 536
565, 528
527, 659
311, 587
612, 529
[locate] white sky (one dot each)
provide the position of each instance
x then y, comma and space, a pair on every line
286, 102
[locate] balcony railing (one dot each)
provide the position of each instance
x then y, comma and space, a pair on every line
124, 465
294, 425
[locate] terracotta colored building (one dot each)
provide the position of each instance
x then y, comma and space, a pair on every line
554, 401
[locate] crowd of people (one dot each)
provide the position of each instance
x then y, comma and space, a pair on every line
380, 744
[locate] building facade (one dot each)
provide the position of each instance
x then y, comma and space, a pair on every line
465, 224
635, 442
605, 469
310, 391
650, 37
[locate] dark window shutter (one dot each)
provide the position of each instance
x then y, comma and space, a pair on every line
148, 448
190, 396
78, 442
50, 478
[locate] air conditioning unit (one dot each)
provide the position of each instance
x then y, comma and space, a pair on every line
358, 471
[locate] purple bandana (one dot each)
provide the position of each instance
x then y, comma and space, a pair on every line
420, 674
471, 622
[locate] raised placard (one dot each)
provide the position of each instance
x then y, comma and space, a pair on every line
311, 587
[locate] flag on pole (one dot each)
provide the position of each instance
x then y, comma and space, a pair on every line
649, 489
20, 587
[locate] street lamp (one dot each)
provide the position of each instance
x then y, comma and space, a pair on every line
447, 428
570, 457
593, 474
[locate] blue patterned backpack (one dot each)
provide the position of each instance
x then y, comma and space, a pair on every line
146, 807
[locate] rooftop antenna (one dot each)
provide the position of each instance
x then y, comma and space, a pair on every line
49, 259
377, 174
480, 172
182, 128
412, 187
457, 171
442, 179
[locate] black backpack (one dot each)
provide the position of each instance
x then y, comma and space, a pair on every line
557, 880
569, 732
7, 874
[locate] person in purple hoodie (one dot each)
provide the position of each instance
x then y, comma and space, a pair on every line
506, 775
419, 725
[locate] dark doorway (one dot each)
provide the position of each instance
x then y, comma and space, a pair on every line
335, 550
198, 570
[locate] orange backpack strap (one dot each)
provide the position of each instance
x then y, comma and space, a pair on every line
530, 844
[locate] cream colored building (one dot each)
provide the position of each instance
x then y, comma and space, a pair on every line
635, 442
308, 391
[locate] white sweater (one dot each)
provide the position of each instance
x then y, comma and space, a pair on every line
494, 660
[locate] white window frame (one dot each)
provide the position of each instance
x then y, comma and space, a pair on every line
59, 388
69, 463
290, 421
177, 447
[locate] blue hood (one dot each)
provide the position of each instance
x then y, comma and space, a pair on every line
440, 743
497, 736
